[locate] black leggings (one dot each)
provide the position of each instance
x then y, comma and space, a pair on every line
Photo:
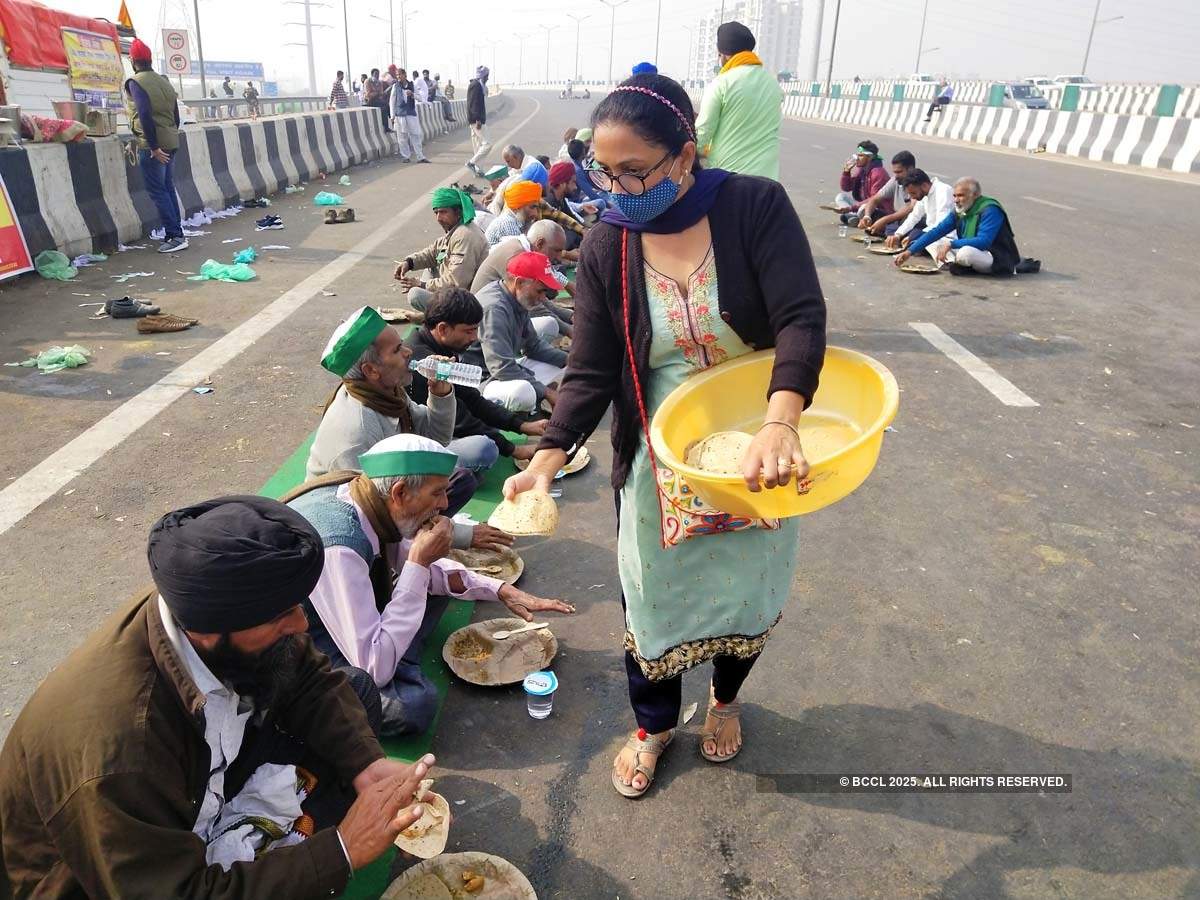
656, 703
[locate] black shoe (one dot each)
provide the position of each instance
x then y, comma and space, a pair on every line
268, 223
424, 160
1029, 266
171, 245
126, 308
151, 309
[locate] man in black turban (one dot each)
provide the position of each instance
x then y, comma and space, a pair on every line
733, 38
169, 755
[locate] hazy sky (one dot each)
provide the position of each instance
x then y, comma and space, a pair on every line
1156, 40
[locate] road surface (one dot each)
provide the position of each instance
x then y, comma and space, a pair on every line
1013, 591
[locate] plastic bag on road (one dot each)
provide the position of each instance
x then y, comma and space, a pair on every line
55, 265
86, 259
56, 359
215, 271
344, 181
245, 255
324, 198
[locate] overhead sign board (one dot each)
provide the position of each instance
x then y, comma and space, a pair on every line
177, 52
232, 69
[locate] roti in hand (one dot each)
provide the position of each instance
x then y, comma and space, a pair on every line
427, 836
533, 512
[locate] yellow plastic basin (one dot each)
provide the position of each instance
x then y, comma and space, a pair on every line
841, 431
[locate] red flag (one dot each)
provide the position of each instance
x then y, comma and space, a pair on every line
123, 16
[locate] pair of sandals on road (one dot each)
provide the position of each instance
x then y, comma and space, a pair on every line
339, 216
640, 743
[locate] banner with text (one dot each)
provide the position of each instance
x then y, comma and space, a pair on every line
93, 67
14, 252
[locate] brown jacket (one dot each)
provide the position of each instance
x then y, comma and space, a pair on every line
455, 256
102, 776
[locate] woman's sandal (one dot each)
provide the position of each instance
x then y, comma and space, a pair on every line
725, 712
649, 744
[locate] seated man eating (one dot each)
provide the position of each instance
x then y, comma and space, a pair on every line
452, 259
521, 367
985, 241
863, 176
451, 326
371, 404
521, 202
197, 744
890, 205
933, 200
385, 541
549, 320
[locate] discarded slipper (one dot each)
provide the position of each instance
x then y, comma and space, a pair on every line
345, 215
164, 323
150, 308
331, 217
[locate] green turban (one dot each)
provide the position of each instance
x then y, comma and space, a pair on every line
449, 198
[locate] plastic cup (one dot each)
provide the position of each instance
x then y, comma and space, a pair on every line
539, 693
843, 230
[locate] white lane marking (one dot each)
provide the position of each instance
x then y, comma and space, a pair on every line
1049, 203
48, 477
814, 146
999, 386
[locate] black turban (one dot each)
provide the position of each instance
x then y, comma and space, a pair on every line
734, 37
234, 562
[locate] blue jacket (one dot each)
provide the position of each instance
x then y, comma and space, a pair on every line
990, 221
589, 190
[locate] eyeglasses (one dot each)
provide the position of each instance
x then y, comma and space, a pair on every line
630, 182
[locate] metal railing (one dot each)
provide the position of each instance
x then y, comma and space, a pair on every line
210, 110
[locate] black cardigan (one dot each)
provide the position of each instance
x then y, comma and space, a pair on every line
768, 293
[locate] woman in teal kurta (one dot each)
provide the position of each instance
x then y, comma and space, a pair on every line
697, 584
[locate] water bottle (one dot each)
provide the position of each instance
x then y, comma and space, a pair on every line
843, 230
447, 370
539, 693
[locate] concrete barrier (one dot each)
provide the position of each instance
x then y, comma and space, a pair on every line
85, 198
1153, 142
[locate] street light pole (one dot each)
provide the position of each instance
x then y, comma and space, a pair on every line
547, 29
346, 26
657, 30
1086, 53
837, 12
691, 40
578, 21
391, 32
921, 39
200, 50
612, 32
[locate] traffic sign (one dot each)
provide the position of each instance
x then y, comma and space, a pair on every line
177, 51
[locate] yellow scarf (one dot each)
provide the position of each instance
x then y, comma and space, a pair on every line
744, 58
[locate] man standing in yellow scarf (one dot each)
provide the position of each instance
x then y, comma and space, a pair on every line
740, 114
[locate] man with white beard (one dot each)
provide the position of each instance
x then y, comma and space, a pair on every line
386, 581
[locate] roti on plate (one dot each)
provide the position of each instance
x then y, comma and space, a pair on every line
533, 512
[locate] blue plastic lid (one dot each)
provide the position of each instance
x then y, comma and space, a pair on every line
540, 684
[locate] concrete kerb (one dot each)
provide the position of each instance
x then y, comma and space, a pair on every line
1095, 136
88, 197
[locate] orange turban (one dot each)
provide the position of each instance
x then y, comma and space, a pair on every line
522, 194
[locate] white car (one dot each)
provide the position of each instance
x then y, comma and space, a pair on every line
1041, 81
1078, 80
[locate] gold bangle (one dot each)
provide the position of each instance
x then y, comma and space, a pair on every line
795, 430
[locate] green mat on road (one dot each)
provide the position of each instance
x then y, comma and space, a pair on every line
370, 882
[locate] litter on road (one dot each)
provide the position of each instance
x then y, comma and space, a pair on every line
245, 255
121, 279
276, 247
215, 271
54, 265
56, 359
88, 259
231, 240
325, 198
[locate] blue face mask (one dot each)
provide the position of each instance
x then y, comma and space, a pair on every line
650, 205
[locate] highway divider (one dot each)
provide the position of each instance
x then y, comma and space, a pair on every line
1153, 142
86, 198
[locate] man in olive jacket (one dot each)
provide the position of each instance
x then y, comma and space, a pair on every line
152, 106
454, 258
119, 772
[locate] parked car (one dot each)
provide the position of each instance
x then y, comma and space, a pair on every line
1040, 81
1018, 95
1078, 80
921, 78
